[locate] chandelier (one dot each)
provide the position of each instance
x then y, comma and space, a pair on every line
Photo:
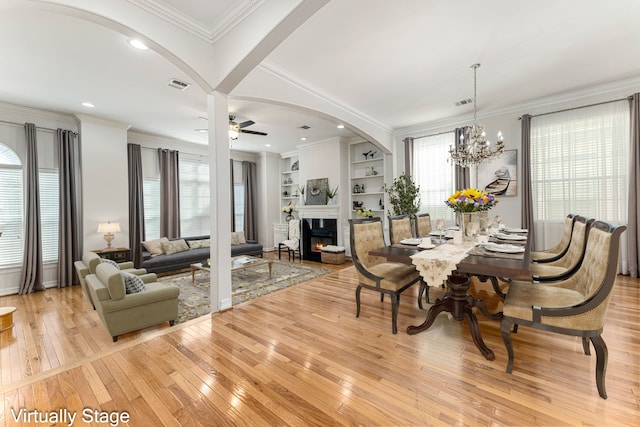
473, 147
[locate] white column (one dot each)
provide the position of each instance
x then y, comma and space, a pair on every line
220, 191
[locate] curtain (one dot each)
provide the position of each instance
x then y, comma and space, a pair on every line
136, 202
633, 225
68, 214
169, 194
31, 277
233, 197
250, 200
408, 156
527, 196
462, 175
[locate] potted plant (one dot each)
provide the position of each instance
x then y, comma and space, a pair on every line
404, 196
331, 194
301, 190
288, 209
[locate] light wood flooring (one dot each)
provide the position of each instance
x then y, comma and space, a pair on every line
300, 357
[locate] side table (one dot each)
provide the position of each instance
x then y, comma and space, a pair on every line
6, 318
115, 254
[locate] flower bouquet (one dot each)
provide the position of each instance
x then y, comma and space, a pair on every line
287, 209
471, 200
365, 213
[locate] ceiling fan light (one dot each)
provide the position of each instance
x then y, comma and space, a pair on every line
234, 130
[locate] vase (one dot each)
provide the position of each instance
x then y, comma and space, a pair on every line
289, 217
331, 201
469, 225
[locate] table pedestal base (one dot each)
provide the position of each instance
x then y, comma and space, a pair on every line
460, 304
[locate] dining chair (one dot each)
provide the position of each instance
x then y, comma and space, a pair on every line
557, 251
570, 262
400, 228
576, 306
292, 242
423, 225
376, 273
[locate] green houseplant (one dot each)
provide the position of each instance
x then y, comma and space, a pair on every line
404, 195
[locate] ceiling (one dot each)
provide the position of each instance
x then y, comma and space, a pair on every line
398, 64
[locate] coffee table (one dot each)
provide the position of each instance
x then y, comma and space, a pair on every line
237, 263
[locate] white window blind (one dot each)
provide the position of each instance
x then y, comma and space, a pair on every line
238, 202
11, 214
49, 213
194, 198
434, 173
151, 194
579, 165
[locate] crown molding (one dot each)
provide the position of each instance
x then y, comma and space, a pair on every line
35, 112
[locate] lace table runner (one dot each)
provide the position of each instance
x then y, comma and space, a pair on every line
436, 264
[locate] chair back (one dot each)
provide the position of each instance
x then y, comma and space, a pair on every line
423, 225
294, 229
91, 260
574, 256
366, 235
561, 247
400, 228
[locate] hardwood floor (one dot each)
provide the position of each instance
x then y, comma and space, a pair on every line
299, 357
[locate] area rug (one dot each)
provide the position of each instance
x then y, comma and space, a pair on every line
245, 284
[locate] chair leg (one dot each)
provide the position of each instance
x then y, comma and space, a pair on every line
505, 330
358, 289
602, 355
279, 251
395, 302
424, 288
585, 346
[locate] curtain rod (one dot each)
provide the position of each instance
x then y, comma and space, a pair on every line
582, 106
37, 127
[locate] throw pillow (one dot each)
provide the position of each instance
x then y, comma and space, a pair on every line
110, 261
174, 246
155, 246
196, 244
237, 238
132, 283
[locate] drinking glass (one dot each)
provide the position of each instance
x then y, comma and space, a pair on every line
440, 225
498, 220
472, 230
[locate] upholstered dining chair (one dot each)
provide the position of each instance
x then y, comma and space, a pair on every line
292, 243
376, 273
557, 251
570, 262
423, 225
400, 228
576, 306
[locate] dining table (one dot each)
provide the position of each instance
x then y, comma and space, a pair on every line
454, 265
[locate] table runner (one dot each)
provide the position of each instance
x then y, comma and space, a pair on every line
436, 264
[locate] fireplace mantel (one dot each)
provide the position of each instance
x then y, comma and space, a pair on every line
318, 211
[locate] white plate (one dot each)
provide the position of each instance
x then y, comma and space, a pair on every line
517, 237
516, 230
507, 249
444, 234
413, 242
426, 247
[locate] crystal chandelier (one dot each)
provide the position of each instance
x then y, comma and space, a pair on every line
473, 148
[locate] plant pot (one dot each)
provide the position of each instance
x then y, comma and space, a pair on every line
289, 217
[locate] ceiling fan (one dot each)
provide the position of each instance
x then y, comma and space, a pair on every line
236, 128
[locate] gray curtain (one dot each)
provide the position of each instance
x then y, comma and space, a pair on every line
250, 200
633, 225
233, 198
527, 195
462, 175
408, 156
136, 202
169, 194
31, 277
68, 242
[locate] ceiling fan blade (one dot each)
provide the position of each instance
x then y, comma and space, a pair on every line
252, 132
247, 123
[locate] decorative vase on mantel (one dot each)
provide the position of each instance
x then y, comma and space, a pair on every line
464, 221
289, 217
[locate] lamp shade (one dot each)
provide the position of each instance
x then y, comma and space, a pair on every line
109, 227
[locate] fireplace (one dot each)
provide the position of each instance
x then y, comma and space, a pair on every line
316, 233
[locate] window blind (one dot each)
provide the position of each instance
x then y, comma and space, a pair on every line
194, 198
49, 213
151, 194
11, 214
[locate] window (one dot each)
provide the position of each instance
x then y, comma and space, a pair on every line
11, 209
238, 199
194, 198
49, 213
151, 194
434, 173
579, 165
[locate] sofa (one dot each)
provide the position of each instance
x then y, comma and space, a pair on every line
123, 312
162, 255
90, 260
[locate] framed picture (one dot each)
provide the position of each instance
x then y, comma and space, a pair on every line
500, 176
317, 191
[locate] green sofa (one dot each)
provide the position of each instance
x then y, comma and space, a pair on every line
121, 312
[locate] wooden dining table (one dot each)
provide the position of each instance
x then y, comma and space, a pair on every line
457, 299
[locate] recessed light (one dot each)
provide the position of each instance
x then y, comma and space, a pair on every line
88, 105
340, 126
267, 145
304, 138
138, 44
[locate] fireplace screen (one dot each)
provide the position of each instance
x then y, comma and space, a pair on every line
316, 233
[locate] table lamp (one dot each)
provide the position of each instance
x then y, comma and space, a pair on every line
108, 228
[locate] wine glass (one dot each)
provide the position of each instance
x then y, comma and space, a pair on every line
440, 224
489, 226
472, 230
498, 220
